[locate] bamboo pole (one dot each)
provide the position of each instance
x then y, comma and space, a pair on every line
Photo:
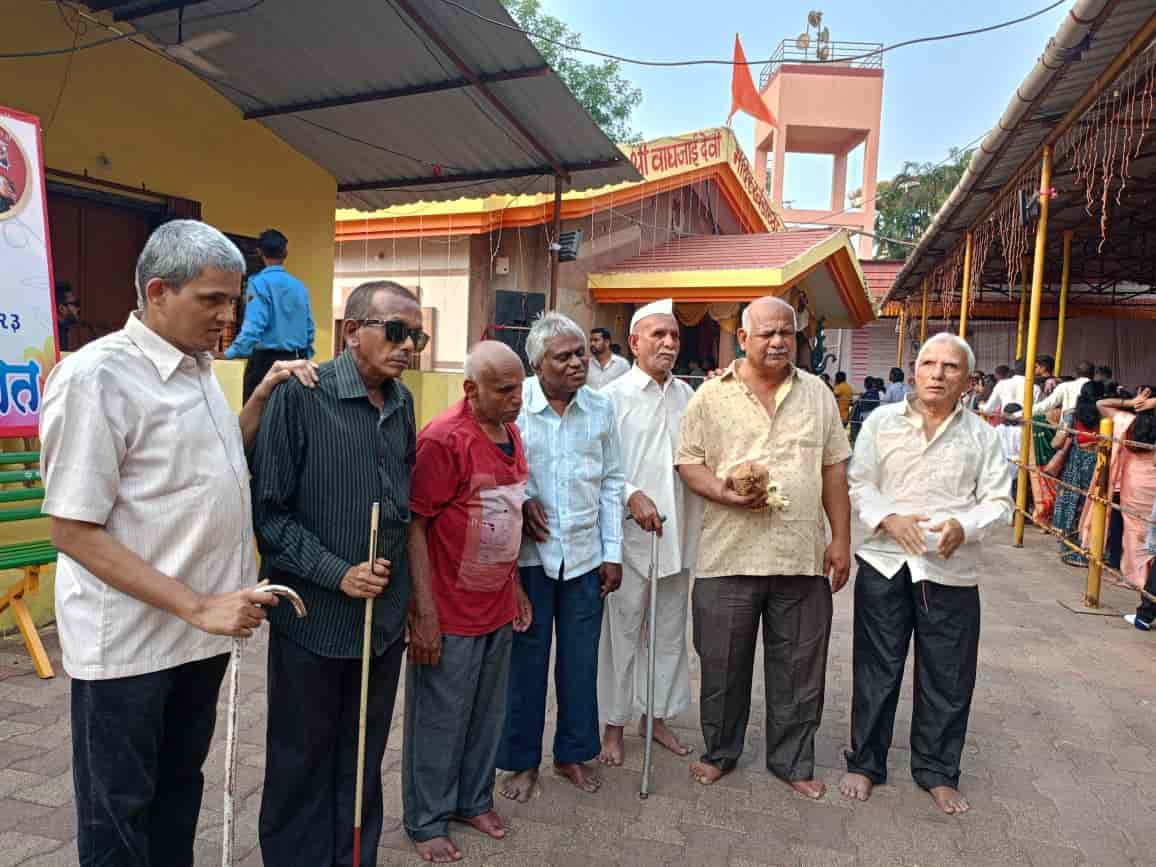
1023, 309
1099, 517
554, 248
965, 298
902, 336
923, 316
1027, 441
1065, 280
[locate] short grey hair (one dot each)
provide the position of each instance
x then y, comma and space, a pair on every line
956, 341
746, 320
361, 299
179, 251
546, 327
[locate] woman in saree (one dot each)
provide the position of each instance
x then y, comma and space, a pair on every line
1133, 475
1078, 437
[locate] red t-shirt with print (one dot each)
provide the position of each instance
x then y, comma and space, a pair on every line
472, 494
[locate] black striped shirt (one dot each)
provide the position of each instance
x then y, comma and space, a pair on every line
322, 458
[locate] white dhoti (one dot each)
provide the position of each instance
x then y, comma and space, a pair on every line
622, 653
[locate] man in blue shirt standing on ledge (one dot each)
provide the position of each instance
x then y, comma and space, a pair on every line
278, 322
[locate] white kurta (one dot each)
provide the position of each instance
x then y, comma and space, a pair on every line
649, 417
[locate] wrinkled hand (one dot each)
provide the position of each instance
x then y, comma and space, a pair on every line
610, 575
305, 371
728, 496
525, 616
236, 614
534, 523
951, 536
1141, 397
837, 564
360, 582
425, 638
644, 512
905, 530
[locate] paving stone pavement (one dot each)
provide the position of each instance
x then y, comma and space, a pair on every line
1060, 765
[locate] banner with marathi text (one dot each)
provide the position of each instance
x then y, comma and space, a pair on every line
663, 157
27, 308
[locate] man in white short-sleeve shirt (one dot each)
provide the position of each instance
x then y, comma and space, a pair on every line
148, 490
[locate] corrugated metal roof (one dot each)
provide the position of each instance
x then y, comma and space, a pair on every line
293, 52
727, 252
1089, 39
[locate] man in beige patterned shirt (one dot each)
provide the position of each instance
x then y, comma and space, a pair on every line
766, 561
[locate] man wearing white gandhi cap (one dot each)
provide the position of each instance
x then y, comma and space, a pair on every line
648, 405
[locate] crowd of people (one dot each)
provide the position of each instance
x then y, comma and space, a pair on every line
515, 536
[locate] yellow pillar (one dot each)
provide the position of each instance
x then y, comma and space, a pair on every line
1065, 279
1023, 309
965, 297
902, 335
923, 316
1099, 517
1026, 440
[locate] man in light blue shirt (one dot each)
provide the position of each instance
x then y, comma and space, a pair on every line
278, 322
897, 389
570, 561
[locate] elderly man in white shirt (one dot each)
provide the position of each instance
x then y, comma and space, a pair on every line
570, 562
649, 402
928, 478
1067, 393
148, 490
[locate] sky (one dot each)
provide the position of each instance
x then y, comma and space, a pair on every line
935, 96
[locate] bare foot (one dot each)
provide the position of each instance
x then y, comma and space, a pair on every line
949, 800
810, 789
581, 776
856, 787
520, 786
613, 749
489, 823
439, 850
664, 736
706, 774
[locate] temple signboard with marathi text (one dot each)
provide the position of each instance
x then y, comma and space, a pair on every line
663, 157
28, 346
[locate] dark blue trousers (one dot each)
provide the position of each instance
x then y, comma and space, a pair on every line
138, 744
573, 610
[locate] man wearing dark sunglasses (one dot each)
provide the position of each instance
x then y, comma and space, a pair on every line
324, 458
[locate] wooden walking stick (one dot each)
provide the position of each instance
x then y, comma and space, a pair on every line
644, 790
366, 652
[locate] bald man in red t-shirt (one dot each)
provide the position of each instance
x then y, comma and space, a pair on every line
468, 487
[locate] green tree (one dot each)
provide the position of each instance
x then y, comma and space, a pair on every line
906, 204
602, 90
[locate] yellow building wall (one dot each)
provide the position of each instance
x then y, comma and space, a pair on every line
128, 116
131, 117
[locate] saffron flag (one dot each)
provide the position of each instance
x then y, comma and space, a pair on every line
744, 97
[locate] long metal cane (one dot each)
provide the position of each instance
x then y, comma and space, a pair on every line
228, 832
652, 578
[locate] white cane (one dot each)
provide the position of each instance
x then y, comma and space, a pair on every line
652, 578
228, 831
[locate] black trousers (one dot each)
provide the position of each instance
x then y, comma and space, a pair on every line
1146, 611
311, 754
138, 744
945, 622
258, 365
795, 611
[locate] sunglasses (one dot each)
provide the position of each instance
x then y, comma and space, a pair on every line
396, 331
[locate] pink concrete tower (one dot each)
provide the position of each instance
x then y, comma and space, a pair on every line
828, 99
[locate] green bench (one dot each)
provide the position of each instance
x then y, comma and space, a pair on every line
27, 556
